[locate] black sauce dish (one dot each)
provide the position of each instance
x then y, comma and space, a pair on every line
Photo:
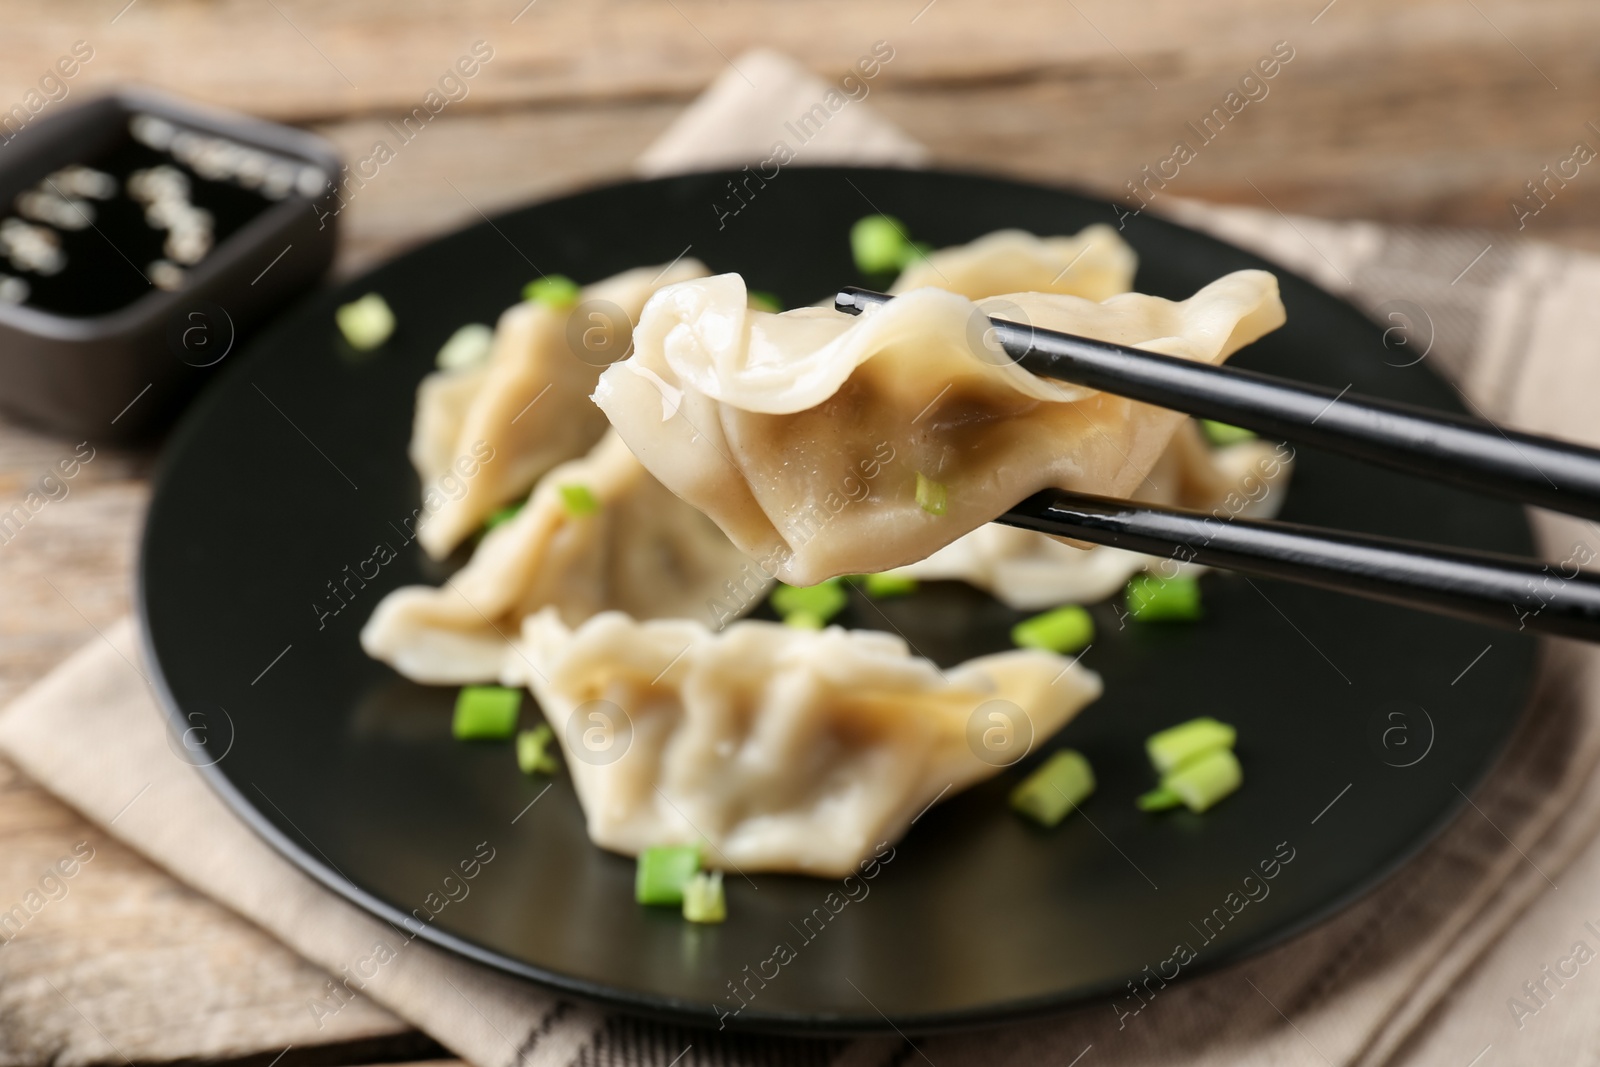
140, 237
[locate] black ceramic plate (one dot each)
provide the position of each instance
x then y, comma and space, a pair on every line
1354, 731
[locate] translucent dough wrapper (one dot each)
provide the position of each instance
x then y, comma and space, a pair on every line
775, 748
804, 434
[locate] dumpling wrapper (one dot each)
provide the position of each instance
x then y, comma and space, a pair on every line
1028, 571
644, 552
781, 749
443, 399
525, 406
1096, 264
802, 434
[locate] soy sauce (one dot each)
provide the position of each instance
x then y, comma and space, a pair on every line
99, 254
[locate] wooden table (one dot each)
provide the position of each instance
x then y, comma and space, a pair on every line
1424, 111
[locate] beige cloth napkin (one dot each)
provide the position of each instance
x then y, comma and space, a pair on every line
1420, 971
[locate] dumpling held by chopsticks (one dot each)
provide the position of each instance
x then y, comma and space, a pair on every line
824, 444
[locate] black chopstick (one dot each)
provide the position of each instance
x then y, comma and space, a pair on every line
1502, 591
1468, 452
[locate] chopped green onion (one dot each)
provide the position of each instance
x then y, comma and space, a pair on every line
932, 496
365, 323
1159, 799
821, 601
703, 899
1059, 784
761, 301
1197, 765
663, 872
1222, 435
878, 244
552, 290
912, 252
1063, 630
486, 713
805, 620
533, 750
888, 584
467, 347
1151, 598
1206, 779
503, 516
579, 500
1176, 745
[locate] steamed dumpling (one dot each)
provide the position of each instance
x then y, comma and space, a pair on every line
443, 399
525, 409
1027, 570
1096, 264
780, 749
643, 551
804, 434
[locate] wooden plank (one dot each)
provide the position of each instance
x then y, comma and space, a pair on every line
1366, 138
127, 962
464, 167
68, 571
308, 59
1410, 112
117, 962
1091, 136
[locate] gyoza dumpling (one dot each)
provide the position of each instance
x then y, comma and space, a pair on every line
525, 409
1096, 264
642, 550
443, 399
807, 435
781, 749
1028, 570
